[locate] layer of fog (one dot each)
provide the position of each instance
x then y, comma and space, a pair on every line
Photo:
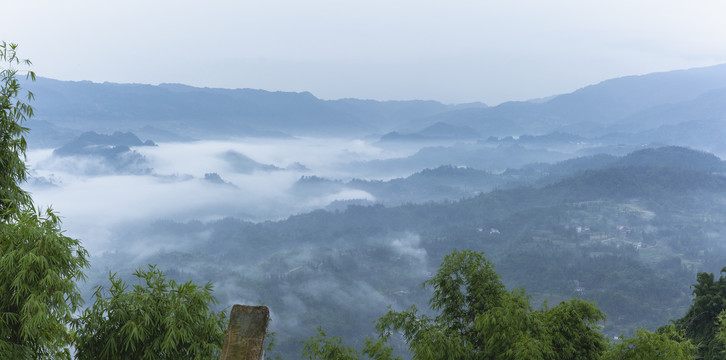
94, 200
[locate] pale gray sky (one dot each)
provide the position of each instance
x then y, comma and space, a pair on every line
452, 51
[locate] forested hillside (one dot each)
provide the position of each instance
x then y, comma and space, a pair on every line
629, 234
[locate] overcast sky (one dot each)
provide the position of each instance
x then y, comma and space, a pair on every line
452, 51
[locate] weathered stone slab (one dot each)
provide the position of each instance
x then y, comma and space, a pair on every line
245, 338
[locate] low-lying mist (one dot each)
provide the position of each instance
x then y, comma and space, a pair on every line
242, 214
206, 180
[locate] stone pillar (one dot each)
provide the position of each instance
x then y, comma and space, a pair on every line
246, 333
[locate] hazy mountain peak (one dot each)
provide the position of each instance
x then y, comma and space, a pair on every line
673, 156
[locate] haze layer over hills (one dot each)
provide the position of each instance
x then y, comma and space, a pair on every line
328, 211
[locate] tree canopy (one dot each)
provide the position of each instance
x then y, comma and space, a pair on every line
667, 343
158, 319
40, 268
39, 265
477, 318
704, 322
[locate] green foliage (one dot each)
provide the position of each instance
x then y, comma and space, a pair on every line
572, 326
701, 322
157, 320
39, 266
464, 287
503, 325
270, 347
721, 323
13, 112
479, 319
324, 347
512, 331
667, 343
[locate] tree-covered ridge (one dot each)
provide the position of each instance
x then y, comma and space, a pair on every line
429, 185
675, 157
600, 175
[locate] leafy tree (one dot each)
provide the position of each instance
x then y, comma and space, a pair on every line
667, 343
39, 266
572, 327
721, 323
13, 112
700, 324
326, 347
479, 319
157, 320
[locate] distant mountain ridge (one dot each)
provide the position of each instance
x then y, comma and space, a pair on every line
629, 105
180, 111
592, 109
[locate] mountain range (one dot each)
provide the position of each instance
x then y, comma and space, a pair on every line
647, 107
